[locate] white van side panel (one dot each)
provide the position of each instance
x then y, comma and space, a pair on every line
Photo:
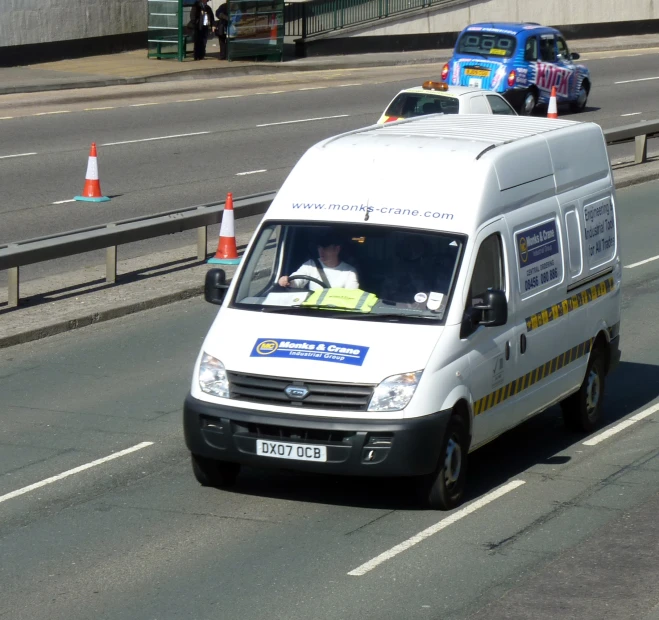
579, 157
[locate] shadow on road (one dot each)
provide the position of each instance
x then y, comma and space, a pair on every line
540, 440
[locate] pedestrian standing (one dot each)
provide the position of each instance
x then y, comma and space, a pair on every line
201, 21
222, 15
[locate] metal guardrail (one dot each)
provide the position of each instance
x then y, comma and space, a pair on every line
110, 236
639, 133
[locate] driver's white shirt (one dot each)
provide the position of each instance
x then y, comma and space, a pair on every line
341, 276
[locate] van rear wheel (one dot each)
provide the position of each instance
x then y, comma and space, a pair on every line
212, 473
582, 410
443, 489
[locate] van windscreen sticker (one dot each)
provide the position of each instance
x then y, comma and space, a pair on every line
317, 350
539, 258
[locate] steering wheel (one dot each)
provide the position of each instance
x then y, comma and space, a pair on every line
310, 278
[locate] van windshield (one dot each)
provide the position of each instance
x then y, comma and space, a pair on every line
350, 271
486, 44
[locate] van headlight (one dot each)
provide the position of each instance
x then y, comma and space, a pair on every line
395, 393
213, 377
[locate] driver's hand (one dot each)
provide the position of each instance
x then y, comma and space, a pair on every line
283, 281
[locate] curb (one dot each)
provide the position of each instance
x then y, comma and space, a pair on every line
264, 69
98, 317
205, 74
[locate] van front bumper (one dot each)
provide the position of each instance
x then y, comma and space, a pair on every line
354, 447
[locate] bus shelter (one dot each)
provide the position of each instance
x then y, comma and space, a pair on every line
167, 28
256, 29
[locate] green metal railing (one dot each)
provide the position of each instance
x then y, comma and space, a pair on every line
304, 19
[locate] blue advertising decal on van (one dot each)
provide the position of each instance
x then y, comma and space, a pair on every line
321, 351
538, 256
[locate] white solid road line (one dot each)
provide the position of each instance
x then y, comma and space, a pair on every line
75, 470
181, 135
433, 529
304, 120
637, 80
17, 155
242, 174
642, 262
621, 426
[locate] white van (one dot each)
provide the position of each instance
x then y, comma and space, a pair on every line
470, 278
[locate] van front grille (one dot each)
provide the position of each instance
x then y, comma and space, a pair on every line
321, 395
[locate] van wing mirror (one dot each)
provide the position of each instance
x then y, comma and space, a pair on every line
494, 309
575, 56
215, 287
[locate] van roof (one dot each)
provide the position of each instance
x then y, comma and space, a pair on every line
486, 130
446, 172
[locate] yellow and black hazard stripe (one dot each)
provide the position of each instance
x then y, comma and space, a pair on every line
568, 305
538, 374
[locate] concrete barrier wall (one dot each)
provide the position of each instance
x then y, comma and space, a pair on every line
24, 22
563, 12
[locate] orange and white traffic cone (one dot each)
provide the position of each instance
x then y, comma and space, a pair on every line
552, 109
273, 30
92, 190
227, 253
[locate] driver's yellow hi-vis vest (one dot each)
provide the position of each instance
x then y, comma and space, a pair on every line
342, 299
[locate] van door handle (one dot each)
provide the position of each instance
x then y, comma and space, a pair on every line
507, 351
522, 344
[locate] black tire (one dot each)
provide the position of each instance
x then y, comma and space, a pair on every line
529, 103
582, 410
212, 473
444, 488
580, 104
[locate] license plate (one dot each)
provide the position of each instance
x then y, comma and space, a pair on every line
477, 72
293, 451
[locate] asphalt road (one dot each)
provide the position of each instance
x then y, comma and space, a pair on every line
135, 537
236, 134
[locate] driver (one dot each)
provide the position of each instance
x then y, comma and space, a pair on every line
336, 272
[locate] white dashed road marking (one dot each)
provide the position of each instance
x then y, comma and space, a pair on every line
304, 120
181, 135
632, 114
621, 426
61, 202
637, 80
241, 174
75, 470
17, 155
433, 529
642, 262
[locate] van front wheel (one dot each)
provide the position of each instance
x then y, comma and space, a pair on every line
212, 473
582, 410
443, 489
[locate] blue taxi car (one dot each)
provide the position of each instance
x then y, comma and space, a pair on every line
522, 61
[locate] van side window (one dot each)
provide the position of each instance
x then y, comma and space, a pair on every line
531, 49
488, 270
573, 242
